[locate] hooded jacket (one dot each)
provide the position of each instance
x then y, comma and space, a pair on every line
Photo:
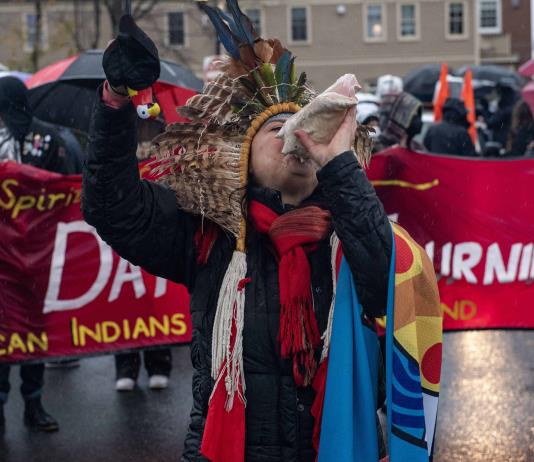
450, 136
25, 138
142, 222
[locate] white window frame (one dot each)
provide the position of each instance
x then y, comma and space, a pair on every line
290, 25
383, 8
417, 18
167, 30
465, 34
44, 30
490, 30
262, 18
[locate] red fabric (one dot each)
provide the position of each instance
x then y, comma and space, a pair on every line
468, 97
50, 73
443, 93
205, 236
527, 69
223, 439
169, 98
224, 433
293, 235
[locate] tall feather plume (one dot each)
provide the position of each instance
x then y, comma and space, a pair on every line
226, 36
242, 23
262, 68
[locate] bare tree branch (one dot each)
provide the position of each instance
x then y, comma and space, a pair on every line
96, 37
36, 52
139, 12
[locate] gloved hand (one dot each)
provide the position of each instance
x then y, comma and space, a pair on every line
131, 60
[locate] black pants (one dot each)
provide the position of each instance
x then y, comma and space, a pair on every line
157, 362
32, 376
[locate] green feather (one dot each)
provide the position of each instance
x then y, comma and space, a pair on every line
300, 88
261, 90
283, 74
251, 88
267, 75
293, 72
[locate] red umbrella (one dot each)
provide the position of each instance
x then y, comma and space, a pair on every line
527, 69
528, 95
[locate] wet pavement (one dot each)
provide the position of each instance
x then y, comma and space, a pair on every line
486, 410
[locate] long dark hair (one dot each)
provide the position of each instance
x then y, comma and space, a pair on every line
521, 120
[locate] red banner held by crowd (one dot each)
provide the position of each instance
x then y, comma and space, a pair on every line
64, 292
475, 218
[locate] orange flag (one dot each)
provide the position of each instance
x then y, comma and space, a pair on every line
468, 97
443, 93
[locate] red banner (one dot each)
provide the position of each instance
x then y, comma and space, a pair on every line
475, 218
64, 292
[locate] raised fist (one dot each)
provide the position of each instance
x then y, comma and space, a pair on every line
131, 60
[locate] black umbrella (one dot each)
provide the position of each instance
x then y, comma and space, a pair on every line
64, 93
493, 73
420, 82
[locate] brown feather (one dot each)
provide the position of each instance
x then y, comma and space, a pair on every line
278, 50
263, 50
247, 56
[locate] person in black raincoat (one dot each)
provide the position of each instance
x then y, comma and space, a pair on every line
450, 136
26, 139
142, 221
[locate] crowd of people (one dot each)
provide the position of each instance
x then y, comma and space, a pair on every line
397, 118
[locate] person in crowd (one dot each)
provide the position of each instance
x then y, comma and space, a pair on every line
142, 221
400, 120
158, 364
521, 135
387, 85
255, 235
450, 135
26, 139
500, 121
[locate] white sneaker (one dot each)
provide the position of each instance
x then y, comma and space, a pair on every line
158, 382
125, 384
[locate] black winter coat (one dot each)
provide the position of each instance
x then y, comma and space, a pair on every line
142, 222
449, 138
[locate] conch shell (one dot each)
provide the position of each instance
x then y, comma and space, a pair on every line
322, 117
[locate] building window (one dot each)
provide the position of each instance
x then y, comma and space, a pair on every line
299, 24
254, 15
456, 26
375, 28
408, 21
176, 29
30, 31
490, 17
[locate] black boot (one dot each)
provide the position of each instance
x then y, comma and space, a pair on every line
37, 418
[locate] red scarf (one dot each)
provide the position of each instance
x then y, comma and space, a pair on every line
294, 234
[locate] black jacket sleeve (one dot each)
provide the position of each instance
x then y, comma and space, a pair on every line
139, 219
362, 227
